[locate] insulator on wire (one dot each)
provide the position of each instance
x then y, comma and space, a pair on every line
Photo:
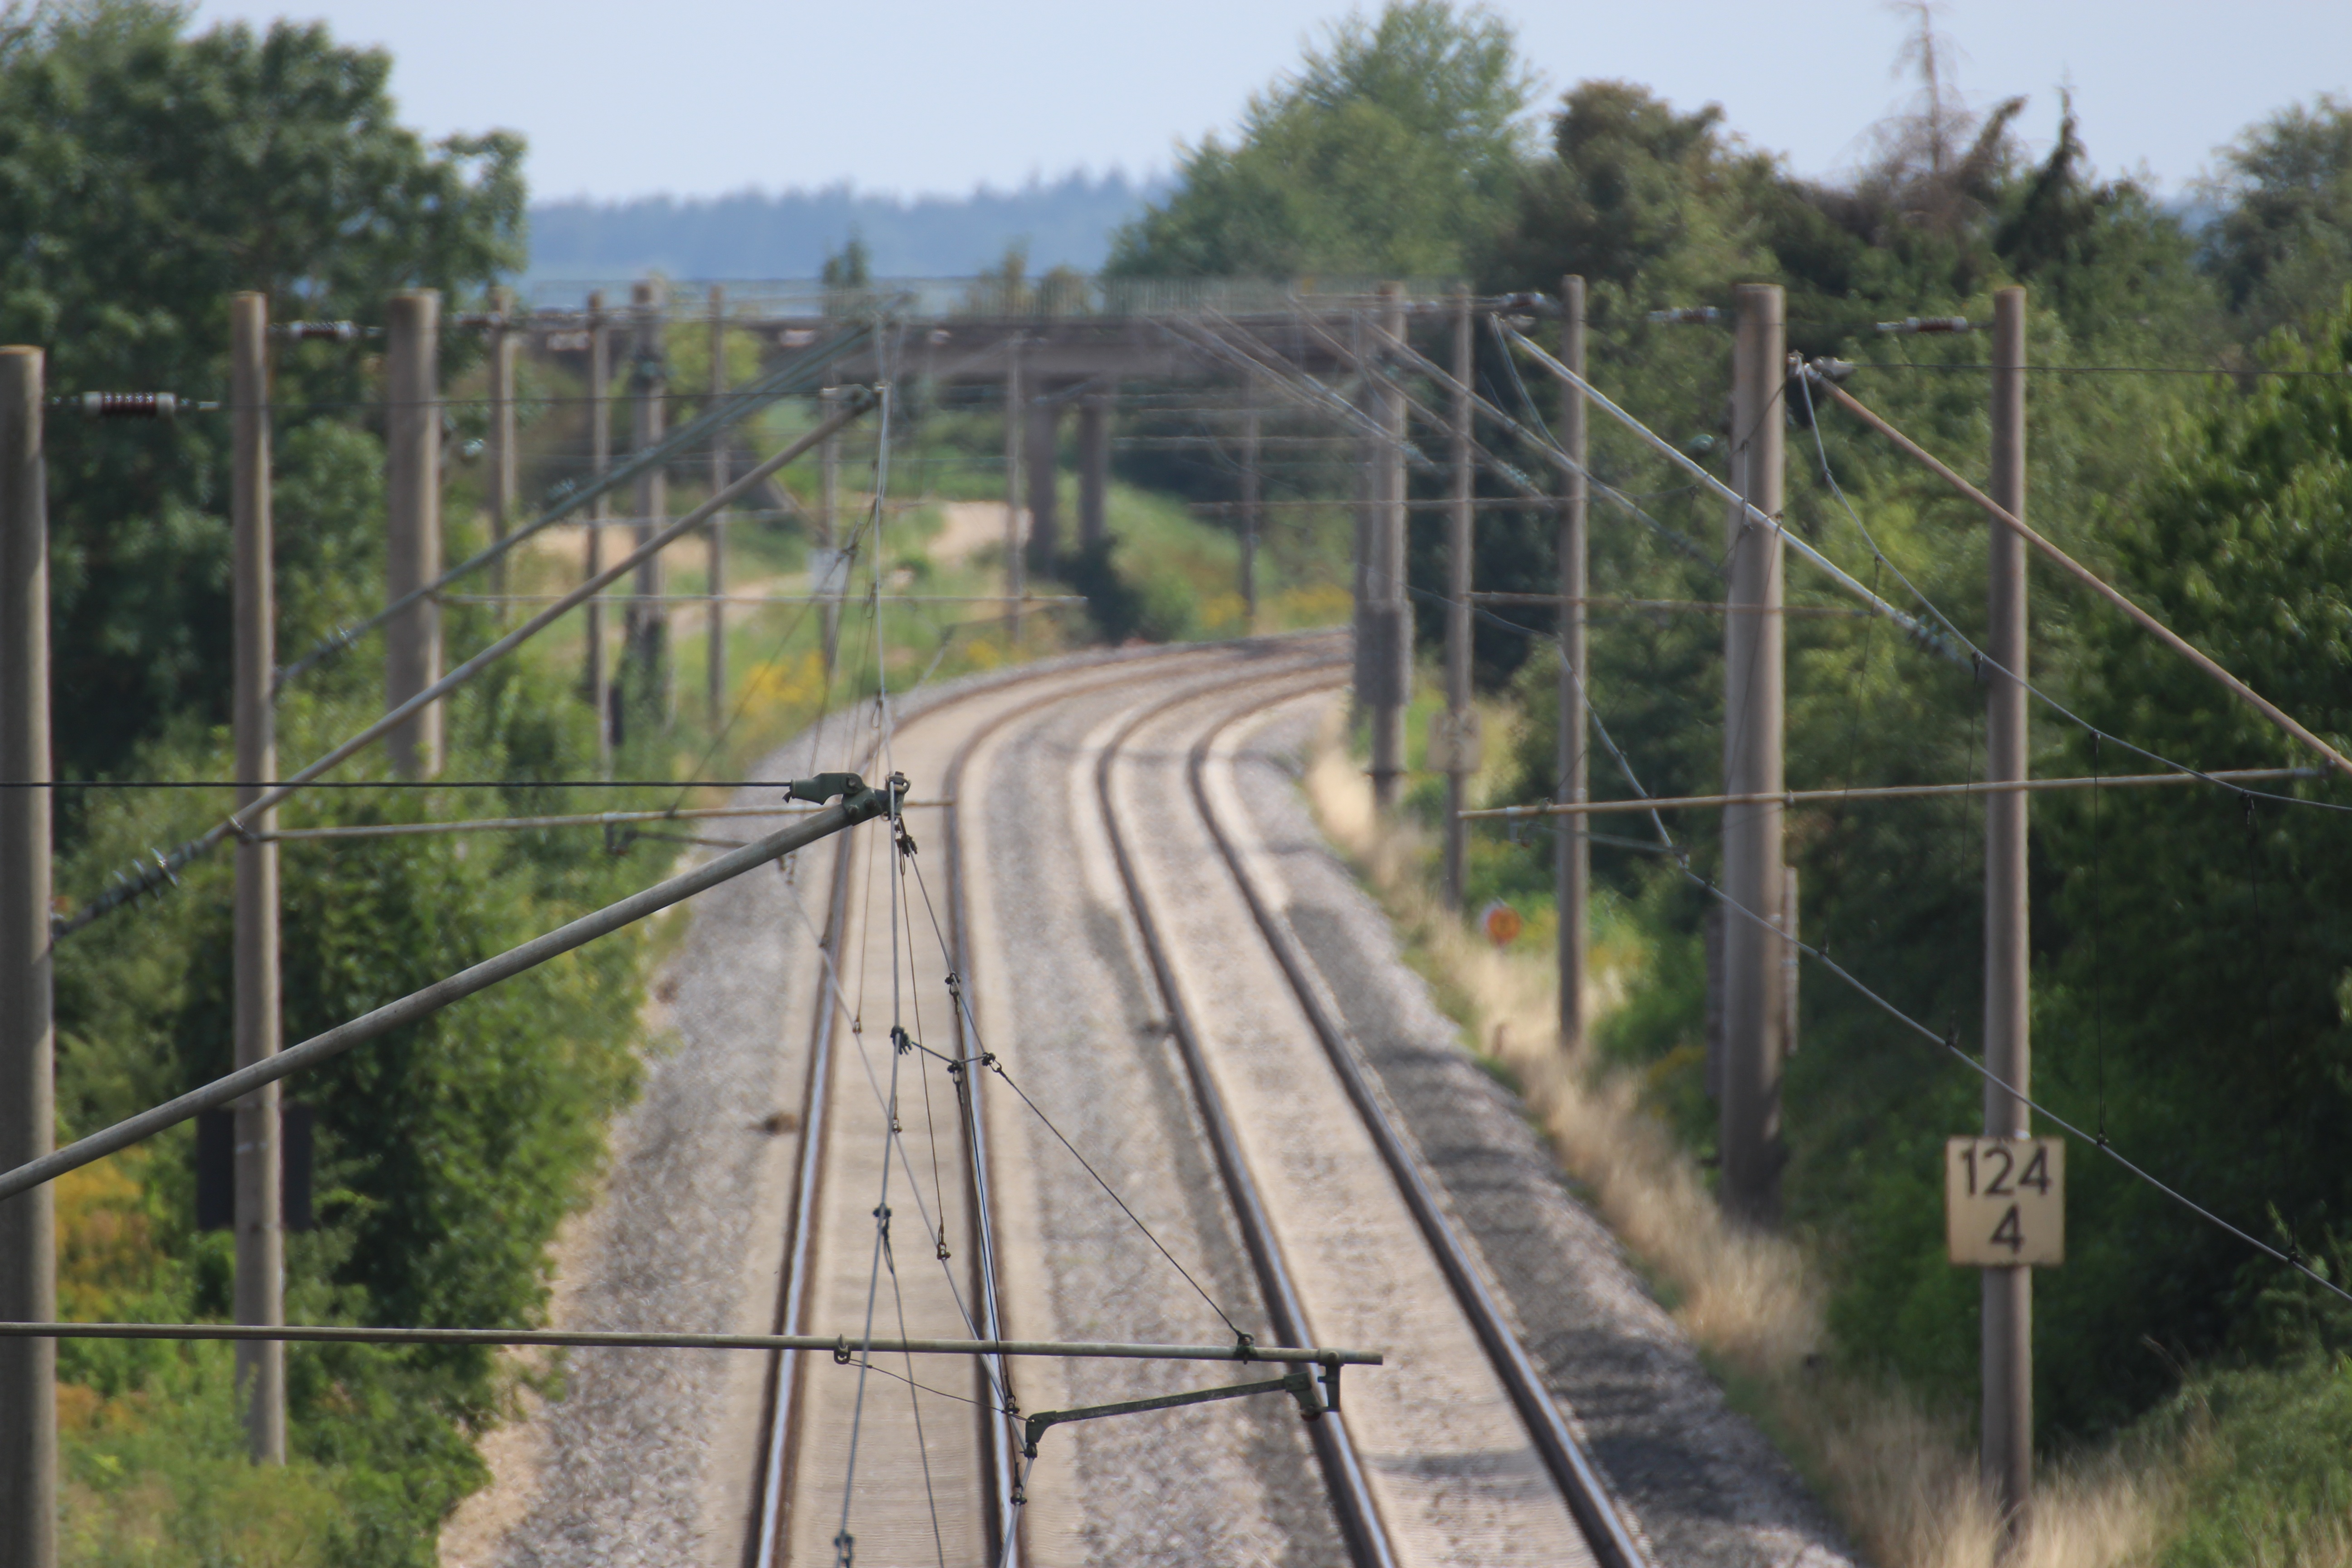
1910, 325
322, 332
124, 405
1687, 316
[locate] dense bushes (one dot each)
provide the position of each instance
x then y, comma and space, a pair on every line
447, 1152
148, 172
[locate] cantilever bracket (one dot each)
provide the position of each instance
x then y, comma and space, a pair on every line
1299, 1384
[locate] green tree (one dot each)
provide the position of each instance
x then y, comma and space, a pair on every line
147, 172
2211, 981
851, 267
2283, 245
447, 1152
1393, 151
1635, 194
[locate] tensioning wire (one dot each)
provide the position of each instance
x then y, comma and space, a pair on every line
2215, 371
1682, 543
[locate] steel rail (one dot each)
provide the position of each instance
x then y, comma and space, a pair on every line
1359, 1513
1572, 1470
781, 1403
997, 1440
996, 1437
771, 1517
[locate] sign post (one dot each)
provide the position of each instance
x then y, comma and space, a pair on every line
2005, 1202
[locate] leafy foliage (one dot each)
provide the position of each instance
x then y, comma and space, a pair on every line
2282, 244
1394, 149
146, 172
145, 176
449, 1151
2220, 961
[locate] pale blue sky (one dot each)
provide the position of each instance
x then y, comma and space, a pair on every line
700, 96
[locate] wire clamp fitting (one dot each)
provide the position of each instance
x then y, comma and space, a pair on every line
900, 1040
1245, 1346
841, 1351
825, 787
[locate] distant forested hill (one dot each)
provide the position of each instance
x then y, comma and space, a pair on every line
788, 235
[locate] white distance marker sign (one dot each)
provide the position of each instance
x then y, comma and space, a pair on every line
2005, 1201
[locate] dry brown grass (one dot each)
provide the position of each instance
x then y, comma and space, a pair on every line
1902, 1477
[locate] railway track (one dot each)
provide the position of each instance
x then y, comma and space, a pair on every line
1234, 1119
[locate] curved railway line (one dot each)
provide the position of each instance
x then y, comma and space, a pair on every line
1265, 1159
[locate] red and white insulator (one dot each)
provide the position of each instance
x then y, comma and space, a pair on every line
128, 405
